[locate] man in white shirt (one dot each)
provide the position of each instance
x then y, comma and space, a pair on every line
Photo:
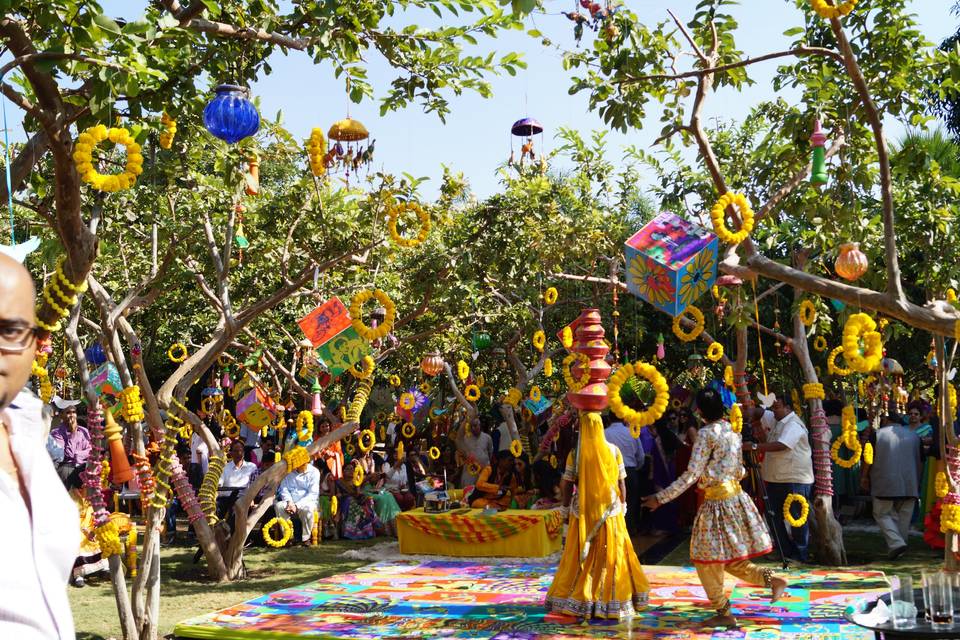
787, 468
199, 460
237, 475
40, 536
476, 446
299, 495
631, 451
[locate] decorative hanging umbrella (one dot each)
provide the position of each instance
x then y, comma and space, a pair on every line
527, 128
345, 152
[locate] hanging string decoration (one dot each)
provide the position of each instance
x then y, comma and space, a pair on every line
38, 369
60, 288
359, 400
209, 486
83, 158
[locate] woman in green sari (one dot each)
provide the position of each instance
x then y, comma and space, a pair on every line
917, 420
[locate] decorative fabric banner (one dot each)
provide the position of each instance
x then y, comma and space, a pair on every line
478, 528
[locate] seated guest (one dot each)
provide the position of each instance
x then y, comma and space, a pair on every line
237, 476
329, 521
299, 495
74, 439
332, 455
396, 481
548, 486
268, 447
384, 504
496, 485
525, 493
360, 520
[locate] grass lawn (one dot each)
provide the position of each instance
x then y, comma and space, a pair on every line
186, 592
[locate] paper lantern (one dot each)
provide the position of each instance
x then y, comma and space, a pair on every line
95, 355
256, 408
671, 263
481, 340
230, 116
851, 263
106, 380
432, 364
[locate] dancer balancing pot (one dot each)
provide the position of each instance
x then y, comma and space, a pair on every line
588, 340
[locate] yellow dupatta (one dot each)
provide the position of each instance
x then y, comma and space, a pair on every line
597, 477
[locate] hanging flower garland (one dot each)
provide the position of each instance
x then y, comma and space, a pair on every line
83, 158
548, 368
736, 418
43, 376
177, 352
169, 131
715, 352
407, 401
868, 453
861, 326
566, 336
638, 419
837, 9
296, 457
316, 149
820, 343
366, 440
356, 318
832, 367
804, 510
472, 393
807, 313
689, 336
940, 484
463, 370
286, 532
408, 430
718, 216
53, 290
304, 426
539, 340
813, 391
229, 424
728, 376
132, 404
584, 362
394, 380
513, 397
852, 460
433, 453
535, 394
516, 448
367, 366
550, 296
393, 214
357, 475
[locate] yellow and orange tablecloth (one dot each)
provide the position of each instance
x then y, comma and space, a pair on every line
469, 533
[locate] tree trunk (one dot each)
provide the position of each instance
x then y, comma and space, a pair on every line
948, 439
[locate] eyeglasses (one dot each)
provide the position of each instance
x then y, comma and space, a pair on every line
16, 336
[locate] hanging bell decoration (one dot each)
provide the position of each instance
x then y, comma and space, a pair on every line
120, 470
851, 263
316, 407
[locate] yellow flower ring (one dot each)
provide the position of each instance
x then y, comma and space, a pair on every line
463, 370
714, 352
286, 529
357, 475
849, 462
408, 430
425, 387
820, 343
472, 393
394, 380
584, 361
718, 215
868, 453
813, 391
638, 419
516, 448
861, 326
177, 352
940, 484
513, 396
366, 440
350, 450
688, 336
832, 367
367, 366
473, 469
548, 368
407, 401
728, 376
566, 336
539, 340
304, 426
356, 319
804, 510
736, 418
807, 313
434, 453
830, 11
334, 505
83, 158
550, 296
535, 394
393, 215
209, 405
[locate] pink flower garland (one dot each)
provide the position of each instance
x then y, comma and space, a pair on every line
188, 500
554, 430
822, 465
91, 473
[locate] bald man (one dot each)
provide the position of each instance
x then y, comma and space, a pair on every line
40, 532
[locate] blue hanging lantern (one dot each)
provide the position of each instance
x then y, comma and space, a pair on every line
95, 355
230, 116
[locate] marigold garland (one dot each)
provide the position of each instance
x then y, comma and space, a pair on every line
366, 440
804, 510
286, 529
169, 131
393, 215
512, 397
463, 370
356, 318
316, 149
408, 430
367, 364
304, 426
830, 11
718, 216
566, 336
516, 448
584, 362
868, 453
832, 367
334, 505
861, 326
539, 340
407, 401
43, 376
820, 343
394, 380
638, 419
181, 352
108, 538
849, 462
132, 404
229, 424
736, 418
472, 393
813, 391
728, 376
548, 368
357, 475
688, 336
950, 515
550, 296
434, 453
807, 313
715, 352
940, 484
83, 158
535, 394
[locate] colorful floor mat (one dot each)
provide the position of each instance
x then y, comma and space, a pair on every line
461, 599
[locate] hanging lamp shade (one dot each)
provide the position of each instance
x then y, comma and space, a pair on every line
526, 127
348, 130
231, 116
851, 263
432, 364
95, 355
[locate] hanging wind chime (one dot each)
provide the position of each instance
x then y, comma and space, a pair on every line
345, 153
526, 129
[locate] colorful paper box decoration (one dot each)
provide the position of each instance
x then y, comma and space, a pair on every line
255, 408
538, 408
671, 263
325, 322
314, 368
106, 380
343, 351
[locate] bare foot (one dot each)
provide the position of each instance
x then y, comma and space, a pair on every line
777, 587
726, 621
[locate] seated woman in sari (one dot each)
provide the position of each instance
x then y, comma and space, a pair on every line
384, 504
329, 519
496, 485
360, 520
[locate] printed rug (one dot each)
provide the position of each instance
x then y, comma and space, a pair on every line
503, 601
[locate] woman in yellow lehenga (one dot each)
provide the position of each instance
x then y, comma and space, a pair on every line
599, 574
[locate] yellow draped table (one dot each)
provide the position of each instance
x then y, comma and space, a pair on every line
466, 532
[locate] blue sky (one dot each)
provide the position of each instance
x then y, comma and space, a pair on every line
475, 138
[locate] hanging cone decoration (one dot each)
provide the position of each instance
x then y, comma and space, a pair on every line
226, 382
661, 352
120, 470
316, 408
